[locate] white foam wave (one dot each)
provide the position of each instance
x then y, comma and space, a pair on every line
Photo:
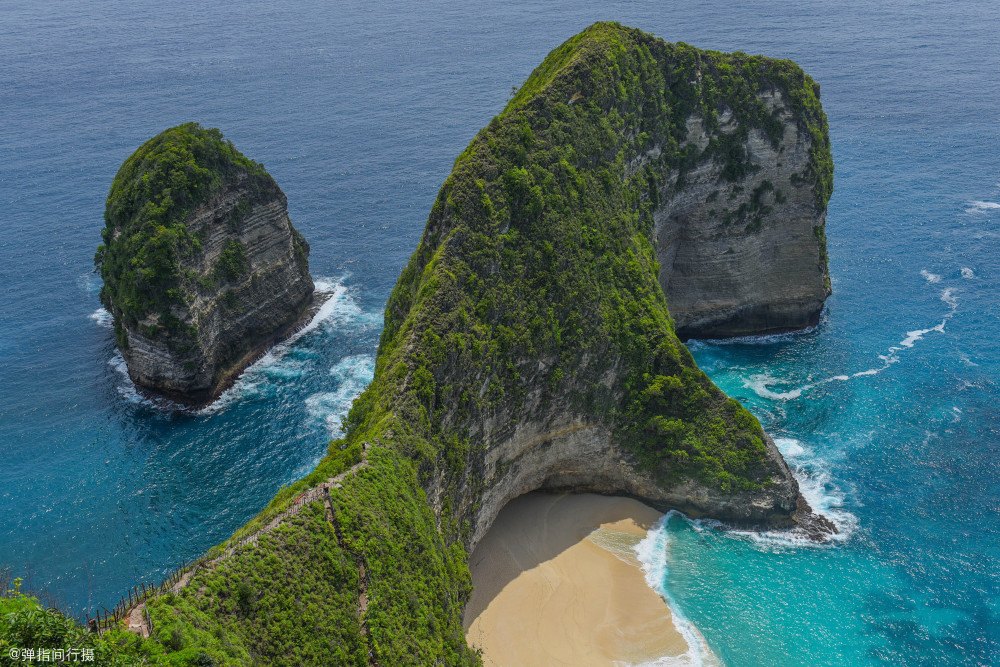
117, 362
930, 277
131, 393
354, 373
767, 339
102, 318
790, 448
652, 552
760, 383
828, 500
340, 308
127, 388
948, 296
818, 488
968, 273
981, 206
870, 371
917, 334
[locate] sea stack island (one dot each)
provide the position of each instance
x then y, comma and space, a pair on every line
202, 267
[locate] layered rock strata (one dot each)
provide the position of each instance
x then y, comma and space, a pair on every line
745, 256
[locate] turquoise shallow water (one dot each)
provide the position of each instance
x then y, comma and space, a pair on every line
358, 110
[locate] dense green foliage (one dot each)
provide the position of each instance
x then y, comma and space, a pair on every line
288, 599
293, 597
26, 624
534, 288
232, 261
145, 232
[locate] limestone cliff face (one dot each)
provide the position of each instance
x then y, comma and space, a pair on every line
227, 274
554, 443
749, 256
234, 315
560, 449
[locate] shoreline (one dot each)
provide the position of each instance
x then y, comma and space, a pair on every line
557, 582
229, 377
185, 403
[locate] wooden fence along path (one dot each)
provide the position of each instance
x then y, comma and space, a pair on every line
133, 608
137, 595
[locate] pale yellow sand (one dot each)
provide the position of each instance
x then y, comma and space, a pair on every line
547, 594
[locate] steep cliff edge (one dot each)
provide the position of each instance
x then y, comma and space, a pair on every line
201, 264
741, 241
527, 344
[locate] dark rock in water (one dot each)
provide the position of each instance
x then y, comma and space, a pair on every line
815, 526
202, 267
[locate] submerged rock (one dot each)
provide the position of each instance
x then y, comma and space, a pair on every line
202, 267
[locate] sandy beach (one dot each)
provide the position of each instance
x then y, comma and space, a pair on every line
557, 583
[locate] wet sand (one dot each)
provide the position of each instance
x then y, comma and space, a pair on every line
557, 583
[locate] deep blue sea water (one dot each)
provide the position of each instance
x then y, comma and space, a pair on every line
889, 409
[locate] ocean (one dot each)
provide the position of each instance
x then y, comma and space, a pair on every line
888, 410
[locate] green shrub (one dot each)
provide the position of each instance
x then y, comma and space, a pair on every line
244, 597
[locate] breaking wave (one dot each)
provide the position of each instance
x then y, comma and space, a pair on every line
765, 339
353, 374
816, 485
283, 362
652, 553
762, 384
102, 318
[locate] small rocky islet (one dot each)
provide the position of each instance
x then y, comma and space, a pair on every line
527, 344
201, 265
